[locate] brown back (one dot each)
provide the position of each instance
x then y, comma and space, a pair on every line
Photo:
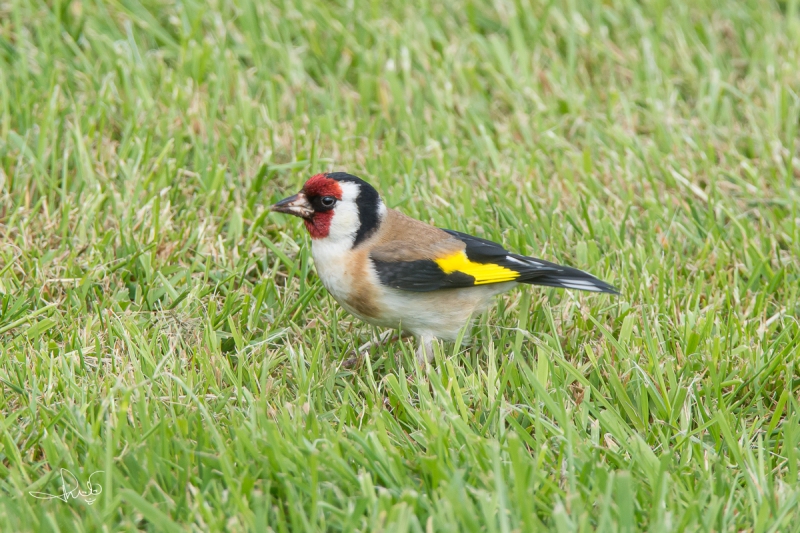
402, 238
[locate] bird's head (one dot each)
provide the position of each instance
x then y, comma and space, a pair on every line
337, 207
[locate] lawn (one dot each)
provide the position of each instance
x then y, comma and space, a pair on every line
160, 329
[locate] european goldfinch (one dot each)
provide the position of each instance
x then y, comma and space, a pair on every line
393, 271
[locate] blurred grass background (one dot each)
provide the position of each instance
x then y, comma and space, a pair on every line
156, 323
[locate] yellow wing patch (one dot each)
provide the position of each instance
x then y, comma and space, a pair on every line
482, 272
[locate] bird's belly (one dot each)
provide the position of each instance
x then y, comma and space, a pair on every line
440, 313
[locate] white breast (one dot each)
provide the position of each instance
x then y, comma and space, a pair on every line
332, 267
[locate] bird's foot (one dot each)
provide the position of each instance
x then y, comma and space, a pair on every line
353, 361
356, 356
425, 349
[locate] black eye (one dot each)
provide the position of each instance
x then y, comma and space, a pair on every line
328, 201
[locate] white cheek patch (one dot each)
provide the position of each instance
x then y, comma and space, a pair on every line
345, 221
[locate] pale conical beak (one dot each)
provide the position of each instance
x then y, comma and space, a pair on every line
296, 205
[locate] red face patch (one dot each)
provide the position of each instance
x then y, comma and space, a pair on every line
320, 185
319, 225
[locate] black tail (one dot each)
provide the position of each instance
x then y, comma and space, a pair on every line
567, 278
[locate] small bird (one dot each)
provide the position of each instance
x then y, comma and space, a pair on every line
393, 271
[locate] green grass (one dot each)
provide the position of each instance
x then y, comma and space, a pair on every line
156, 323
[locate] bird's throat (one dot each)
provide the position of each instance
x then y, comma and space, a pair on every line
319, 225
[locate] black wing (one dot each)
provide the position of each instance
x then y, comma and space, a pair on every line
423, 275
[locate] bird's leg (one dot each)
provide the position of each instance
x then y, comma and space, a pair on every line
425, 349
384, 338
